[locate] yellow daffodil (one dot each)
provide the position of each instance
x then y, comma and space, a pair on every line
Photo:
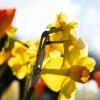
65, 72
23, 58
66, 30
78, 69
61, 73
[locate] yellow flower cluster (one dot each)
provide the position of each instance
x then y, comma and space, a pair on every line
23, 58
71, 64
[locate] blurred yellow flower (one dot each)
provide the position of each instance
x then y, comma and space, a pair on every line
23, 58
10, 31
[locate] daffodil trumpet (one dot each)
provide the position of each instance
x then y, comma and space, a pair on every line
81, 73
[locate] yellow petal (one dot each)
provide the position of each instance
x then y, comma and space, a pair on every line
49, 76
22, 72
87, 62
13, 61
51, 25
71, 55
67, 90
72, 25
31, 52
32, 60
61, 19
66, 62
18, 48
80, 43
74, 56
10, 31
59, 36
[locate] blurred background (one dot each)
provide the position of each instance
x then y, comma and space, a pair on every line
32, 17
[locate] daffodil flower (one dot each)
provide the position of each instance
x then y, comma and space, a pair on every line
66, 29
23, 58
61, 73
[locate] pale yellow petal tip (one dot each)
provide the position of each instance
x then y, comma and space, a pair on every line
22, 72
81, 43
93, 63
73, 24
62, 17
11, 31
11, 62
21, 75
87, 62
